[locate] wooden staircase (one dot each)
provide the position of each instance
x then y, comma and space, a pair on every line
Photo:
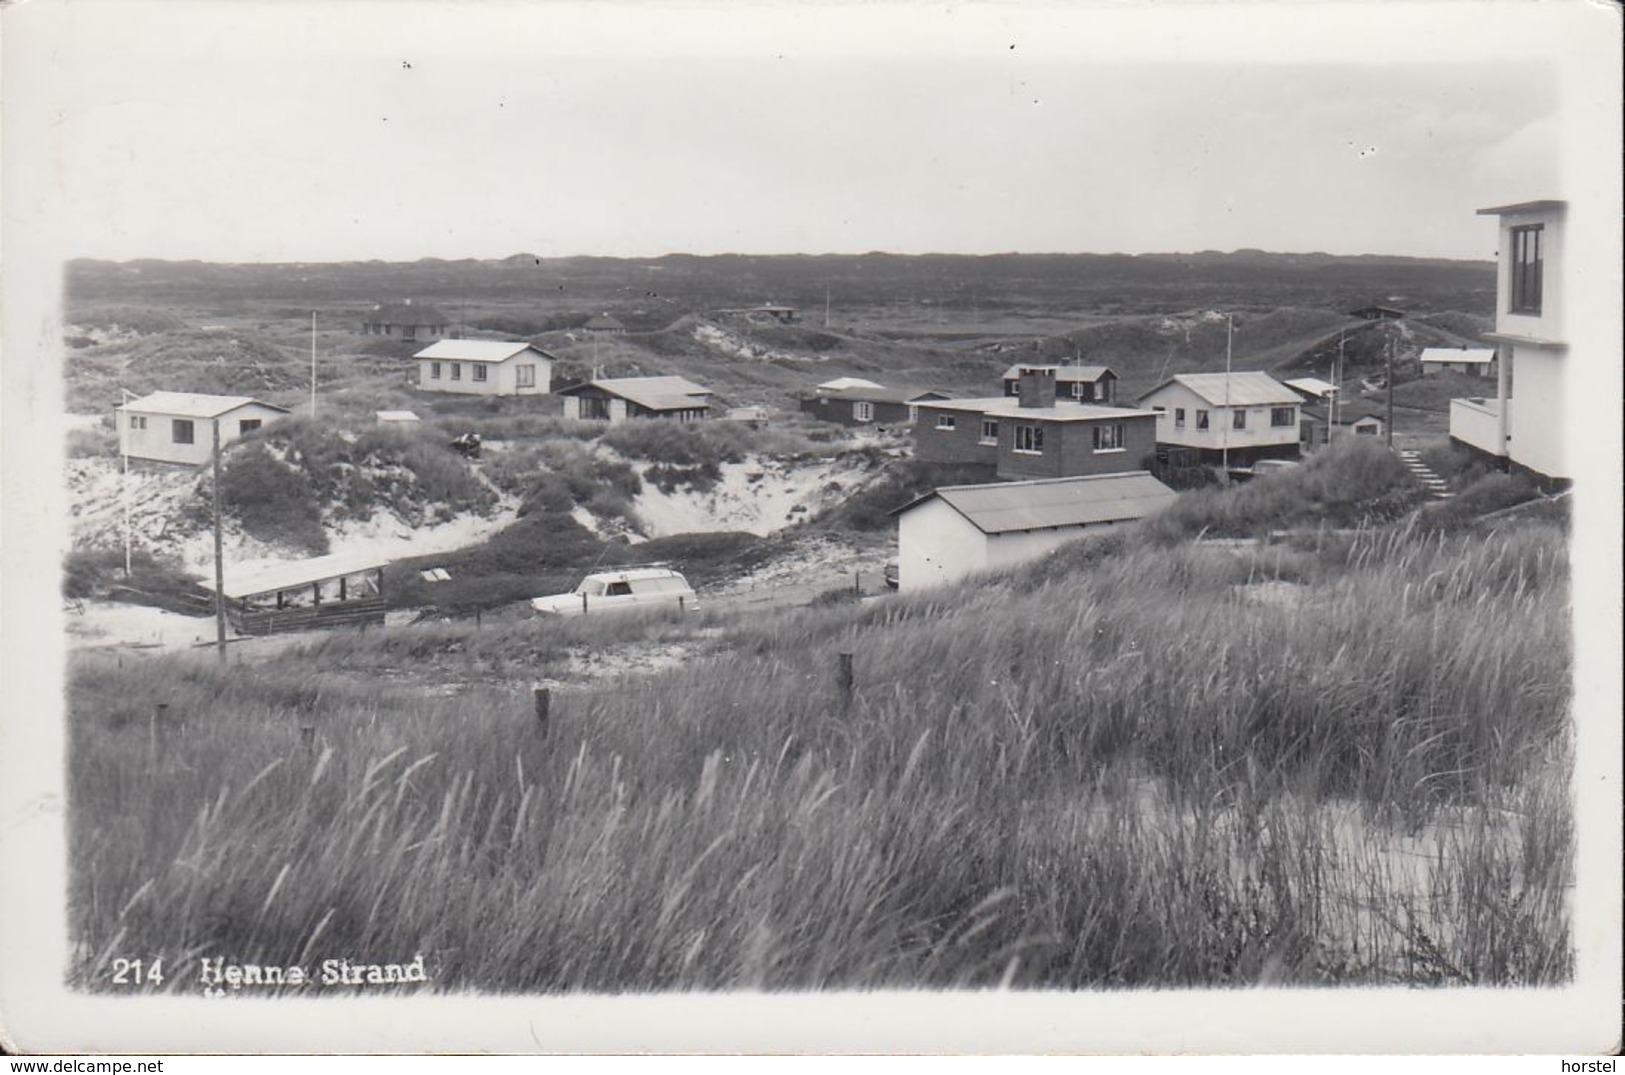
1435, 485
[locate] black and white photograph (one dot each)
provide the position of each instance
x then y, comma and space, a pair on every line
890, 528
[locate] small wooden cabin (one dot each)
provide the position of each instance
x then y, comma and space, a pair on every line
298, 595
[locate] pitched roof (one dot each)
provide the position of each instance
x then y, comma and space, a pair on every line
1247, 389
1006, 507
245, 580
1062, 411
654, 393
405, 313
1347, 414
870, 395
478, 350
848, 382
1063, 374
192, 404
1477, 355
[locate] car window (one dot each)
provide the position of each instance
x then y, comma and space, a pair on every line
619, 589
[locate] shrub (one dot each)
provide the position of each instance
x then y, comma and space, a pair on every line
271, 500
99, 574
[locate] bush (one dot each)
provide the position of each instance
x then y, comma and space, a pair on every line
271, 500
99, 574
96, 441
1491, 493
701, 478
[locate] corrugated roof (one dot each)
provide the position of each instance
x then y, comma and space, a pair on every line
1063, 374
1248, 389
1063, 411
1477, 355
478, 350
193, 404
1006, 507
655, 393
249, 579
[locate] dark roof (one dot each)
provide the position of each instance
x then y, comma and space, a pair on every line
1006, 507
1346, 416
1063, 374
406, 313
651, 393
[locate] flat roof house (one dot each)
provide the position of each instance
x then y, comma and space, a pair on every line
1315, 424
618, 399
1312, 389
1083, 384
1242, 417
1526, 431
485, 368
404, 321
178, 427
958, 531
1033, 435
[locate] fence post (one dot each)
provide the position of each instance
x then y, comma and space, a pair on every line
542, 698
843, 679
857, 586
583, 604
479, 619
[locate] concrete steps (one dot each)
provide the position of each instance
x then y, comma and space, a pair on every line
1435, 485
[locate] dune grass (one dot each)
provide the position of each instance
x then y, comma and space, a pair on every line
1132, 766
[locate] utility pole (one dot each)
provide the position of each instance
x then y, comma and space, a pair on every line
219, 558
826, 306
1388, 426
1229, 417
125, 395
313, 363
1337, 387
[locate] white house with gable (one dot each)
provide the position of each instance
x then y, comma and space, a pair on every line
485, 368
1242, 417
178, 427
957, 531
1522, 423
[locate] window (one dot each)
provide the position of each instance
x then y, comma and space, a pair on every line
945, 421
1368, 429
1282, 416
619, 589
1106, 392
1238, 419
990, 431
1029, 440
1526, 269
1108, 438
409, 332
456, 371
434, 371
181, 430
480, 369
863, 411
1201, 420
524, 376
1084, 391
1179, 417
138, 421
247, 425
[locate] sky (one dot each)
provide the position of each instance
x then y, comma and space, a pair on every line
293, 131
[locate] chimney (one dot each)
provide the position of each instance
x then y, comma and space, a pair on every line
1036, 386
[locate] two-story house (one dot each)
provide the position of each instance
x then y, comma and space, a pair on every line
1234, 417
1522, 424
1033, 435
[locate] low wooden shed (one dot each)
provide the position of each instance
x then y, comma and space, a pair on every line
324, 591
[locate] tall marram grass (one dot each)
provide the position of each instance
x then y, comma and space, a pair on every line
1149, 766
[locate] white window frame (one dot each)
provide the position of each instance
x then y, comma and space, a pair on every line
524, 375
945, 422
434, 371
1179, 417
1277, 412
863, 411
1108, 437
1238, 419
481, 371
456, 371
990, 431
1034, 439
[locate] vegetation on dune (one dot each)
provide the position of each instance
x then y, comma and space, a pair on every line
99, 574
1181, 765
1353, 483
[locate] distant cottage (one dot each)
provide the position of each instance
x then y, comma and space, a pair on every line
178, 427
618, 399
867, 405
1377, 313
605, 323
1083, 384
404, 321
1474, 361
485, 368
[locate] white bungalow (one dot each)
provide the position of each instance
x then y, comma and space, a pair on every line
1526, 432
1476, 361
485, 368
178, 427
958, 531
1242, 417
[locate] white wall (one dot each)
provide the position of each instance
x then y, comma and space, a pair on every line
1536, 439
936, 545
501, 377
1548, 324
157, 441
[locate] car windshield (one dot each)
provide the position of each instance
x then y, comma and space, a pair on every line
591, 587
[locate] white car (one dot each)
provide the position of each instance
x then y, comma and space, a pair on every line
622, 589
